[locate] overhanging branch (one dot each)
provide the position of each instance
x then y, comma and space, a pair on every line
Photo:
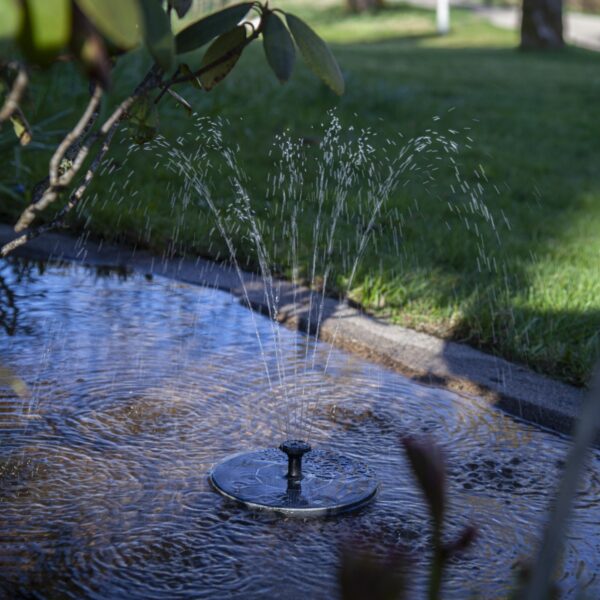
11, 104
49, 189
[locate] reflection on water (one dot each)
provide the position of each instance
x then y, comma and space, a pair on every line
8, 307
139, 387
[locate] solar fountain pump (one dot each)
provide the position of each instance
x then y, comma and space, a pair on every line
295, 450
295, 480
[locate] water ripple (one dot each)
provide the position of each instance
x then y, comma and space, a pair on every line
140, 387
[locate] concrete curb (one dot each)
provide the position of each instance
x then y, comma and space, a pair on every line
422, 357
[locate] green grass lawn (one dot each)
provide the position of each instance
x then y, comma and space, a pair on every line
526, 119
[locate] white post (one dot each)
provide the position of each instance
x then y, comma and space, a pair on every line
443, 16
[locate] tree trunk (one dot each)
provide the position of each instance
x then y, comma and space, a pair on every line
358, 6
541, 24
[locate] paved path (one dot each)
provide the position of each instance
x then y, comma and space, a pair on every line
579, 29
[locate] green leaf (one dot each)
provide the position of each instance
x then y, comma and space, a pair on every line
157, 34
21, 127
12, 17
279, 47
201, 32
48, 26
223, 45
119, 20
181, 7
316, 53
186, 72
144, 111
144, 119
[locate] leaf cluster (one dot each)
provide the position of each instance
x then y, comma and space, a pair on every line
95, 34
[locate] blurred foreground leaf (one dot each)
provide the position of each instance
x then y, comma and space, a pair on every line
12, 17
540, 583
8, 378
47, 28
157, 34
427, 464
119, 20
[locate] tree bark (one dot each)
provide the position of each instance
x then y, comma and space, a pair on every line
541, 25
358, 6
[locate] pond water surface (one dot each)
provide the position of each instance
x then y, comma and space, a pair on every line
140, 386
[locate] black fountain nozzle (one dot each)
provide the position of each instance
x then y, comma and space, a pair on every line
295, 450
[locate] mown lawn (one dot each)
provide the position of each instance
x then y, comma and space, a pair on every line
527, 288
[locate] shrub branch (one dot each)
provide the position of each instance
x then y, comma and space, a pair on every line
11, 104
74, 146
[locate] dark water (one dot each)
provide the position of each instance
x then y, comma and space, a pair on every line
139, 387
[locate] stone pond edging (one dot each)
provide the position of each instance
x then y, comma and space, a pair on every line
419, 356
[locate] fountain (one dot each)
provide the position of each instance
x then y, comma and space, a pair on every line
103, 472
264, 479
123, 477
345, 170
331, 483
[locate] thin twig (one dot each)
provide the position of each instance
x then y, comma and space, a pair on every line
14, 96
52, 191
48, 192
74, 199
78, 193
77, 132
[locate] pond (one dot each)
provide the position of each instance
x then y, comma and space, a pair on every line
140, 385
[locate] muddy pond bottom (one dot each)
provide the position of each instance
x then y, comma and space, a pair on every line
140, 387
